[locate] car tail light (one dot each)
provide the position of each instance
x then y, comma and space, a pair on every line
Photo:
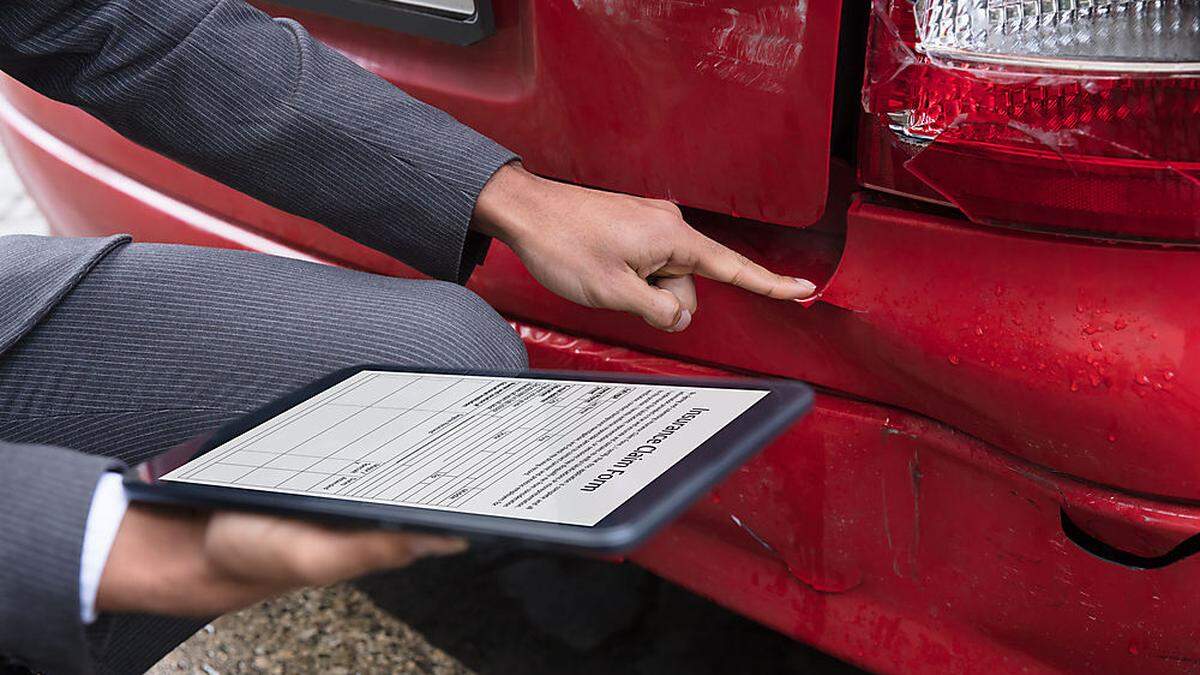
1075, 115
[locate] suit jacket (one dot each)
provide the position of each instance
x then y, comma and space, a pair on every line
261, 106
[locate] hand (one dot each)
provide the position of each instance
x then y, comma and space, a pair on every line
614, 251
185, 563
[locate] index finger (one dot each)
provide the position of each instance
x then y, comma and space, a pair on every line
719, 263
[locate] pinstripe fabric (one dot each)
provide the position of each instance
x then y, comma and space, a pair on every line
35, 272
261, 106
46, 494
156, 344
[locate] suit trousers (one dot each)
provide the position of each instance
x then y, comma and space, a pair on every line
159, 343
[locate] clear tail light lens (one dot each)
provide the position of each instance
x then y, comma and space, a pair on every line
1096, 35
1077, 115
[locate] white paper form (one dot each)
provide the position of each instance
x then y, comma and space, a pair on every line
558, 451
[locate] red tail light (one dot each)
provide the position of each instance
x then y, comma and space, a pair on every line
1069, 115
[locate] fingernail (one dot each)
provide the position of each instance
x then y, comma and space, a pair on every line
685, 319
806, 286
436, 546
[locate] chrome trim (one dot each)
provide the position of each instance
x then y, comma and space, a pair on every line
1050, 63
462, 8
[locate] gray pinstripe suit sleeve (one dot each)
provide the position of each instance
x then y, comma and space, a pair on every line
47, 492
261, 106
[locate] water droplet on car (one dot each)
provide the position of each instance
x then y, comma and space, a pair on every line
953, 359
1120, 324
1141, 379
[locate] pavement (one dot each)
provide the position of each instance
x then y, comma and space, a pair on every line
480, 613
18, 213
492, 610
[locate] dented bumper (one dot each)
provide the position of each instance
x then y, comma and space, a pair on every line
905, 546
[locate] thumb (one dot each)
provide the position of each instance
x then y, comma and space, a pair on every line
657, 306
424, 545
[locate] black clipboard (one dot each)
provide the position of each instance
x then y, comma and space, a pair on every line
624, 528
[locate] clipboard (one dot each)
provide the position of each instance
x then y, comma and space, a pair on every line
588, 462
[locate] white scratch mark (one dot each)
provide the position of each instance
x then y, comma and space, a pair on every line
758, 50
753, 535
634, 10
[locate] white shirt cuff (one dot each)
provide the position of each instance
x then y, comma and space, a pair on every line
109, 503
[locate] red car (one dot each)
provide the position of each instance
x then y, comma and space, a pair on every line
1002, 471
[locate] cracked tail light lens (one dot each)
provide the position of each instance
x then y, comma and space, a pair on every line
1066, 115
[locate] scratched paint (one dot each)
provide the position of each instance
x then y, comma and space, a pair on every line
635, 10
757, 49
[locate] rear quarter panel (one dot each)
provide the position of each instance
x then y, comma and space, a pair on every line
723, 106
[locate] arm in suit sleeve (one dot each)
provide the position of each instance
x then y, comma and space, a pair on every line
45, 496
261, 106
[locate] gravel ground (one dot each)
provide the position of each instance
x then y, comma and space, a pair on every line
483, 613
336, 630
490, 611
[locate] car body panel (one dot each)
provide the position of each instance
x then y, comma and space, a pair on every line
902, 545
1074, 354
689, 101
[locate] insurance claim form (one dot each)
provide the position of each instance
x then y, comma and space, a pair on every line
560, 451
